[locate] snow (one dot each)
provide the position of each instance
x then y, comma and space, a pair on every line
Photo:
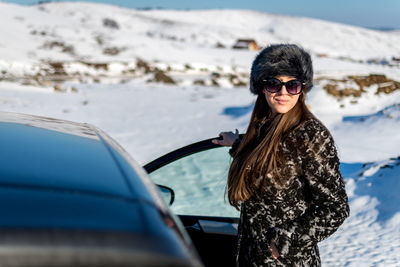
371, 233
150, 119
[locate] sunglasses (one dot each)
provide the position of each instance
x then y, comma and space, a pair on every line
293, 87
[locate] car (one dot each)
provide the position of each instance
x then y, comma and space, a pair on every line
71, 196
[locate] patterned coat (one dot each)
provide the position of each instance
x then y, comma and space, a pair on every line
309, 208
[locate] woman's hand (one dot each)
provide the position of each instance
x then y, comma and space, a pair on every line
228, 138
274, 250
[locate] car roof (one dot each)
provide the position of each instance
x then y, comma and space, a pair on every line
45, 152
40, 153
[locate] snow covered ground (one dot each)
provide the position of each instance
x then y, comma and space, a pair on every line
150, 119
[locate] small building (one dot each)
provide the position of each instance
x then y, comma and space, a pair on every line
248, 44
323, 55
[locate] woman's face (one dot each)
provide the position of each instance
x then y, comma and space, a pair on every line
282, 101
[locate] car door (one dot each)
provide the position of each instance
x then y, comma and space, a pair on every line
197, 173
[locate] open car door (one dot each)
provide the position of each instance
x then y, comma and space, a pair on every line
197, 174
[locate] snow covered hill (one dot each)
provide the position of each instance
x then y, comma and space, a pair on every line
88, 31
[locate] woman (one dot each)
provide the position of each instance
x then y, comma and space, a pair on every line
285, 175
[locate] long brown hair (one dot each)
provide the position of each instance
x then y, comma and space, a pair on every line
257, 154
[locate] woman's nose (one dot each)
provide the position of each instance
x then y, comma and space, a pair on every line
283, 91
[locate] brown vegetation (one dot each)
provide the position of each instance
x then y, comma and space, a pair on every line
57, 44
235, 81
97, 66
58, 68
383, 84
143, 65
160, 76
112, 51
199, 82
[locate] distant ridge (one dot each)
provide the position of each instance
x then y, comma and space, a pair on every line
73, 31
383, 29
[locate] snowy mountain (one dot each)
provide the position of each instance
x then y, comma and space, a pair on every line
88, 31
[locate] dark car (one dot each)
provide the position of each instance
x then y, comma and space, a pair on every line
71, 196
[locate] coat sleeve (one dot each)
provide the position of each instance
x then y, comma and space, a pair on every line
235, 146
328, 206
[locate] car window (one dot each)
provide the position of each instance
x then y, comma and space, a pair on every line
199, 182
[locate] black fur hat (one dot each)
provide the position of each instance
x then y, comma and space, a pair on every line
281, 59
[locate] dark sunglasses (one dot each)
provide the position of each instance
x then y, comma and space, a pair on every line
293, 87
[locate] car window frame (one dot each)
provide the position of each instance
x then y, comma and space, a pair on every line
179, 153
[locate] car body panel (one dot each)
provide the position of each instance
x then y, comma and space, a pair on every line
40, 207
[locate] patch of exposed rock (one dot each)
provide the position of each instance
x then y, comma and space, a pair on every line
161, 77
52, 73
359, 84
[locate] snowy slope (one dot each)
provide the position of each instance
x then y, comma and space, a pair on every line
82, 31
371, 236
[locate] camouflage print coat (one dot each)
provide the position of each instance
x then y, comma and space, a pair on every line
309, 208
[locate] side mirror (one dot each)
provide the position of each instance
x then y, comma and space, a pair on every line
167, 194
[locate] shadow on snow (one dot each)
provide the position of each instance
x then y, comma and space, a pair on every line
236, 112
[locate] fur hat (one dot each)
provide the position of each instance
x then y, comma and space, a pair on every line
281, 59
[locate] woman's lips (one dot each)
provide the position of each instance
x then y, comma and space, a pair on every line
282, 101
